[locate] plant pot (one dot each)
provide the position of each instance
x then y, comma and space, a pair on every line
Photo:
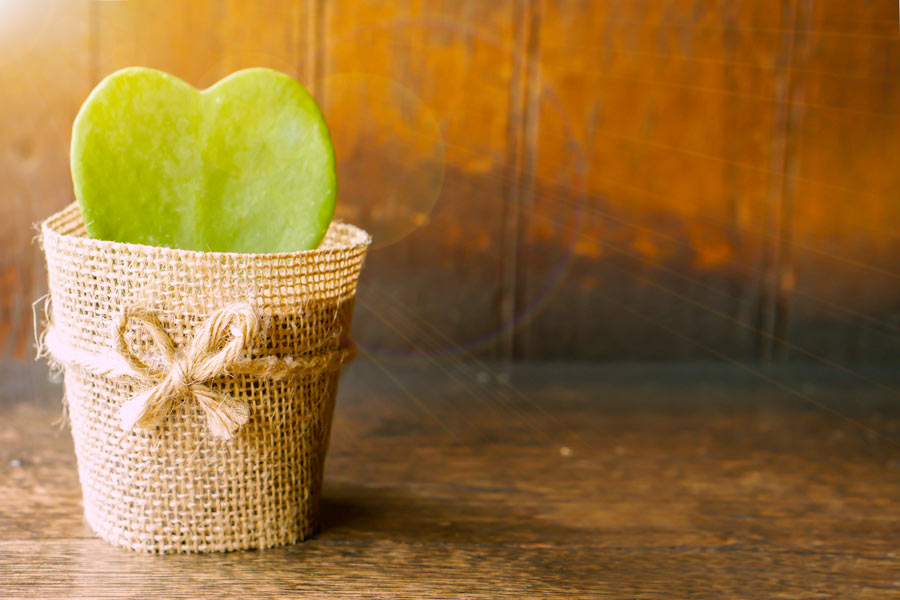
200, 386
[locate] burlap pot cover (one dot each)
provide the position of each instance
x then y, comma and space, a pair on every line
200, 386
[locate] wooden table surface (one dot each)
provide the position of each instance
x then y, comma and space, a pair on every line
458, 480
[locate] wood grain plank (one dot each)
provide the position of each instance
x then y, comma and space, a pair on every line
418, 97
625, 481
638, 174
367, 570
390, 570
521, 151
845, 286
43, 79
204, 41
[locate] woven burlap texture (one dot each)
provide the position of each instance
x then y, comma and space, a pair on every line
174, 486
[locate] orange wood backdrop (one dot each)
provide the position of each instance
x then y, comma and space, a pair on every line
545, 179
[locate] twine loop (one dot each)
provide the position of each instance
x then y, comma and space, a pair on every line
215, 350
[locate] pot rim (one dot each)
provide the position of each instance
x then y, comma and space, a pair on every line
67, 225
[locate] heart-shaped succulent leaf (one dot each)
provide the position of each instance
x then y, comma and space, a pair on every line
244, 166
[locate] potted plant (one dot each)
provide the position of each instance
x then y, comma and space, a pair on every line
201, 302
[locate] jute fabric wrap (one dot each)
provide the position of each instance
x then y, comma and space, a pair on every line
200, 386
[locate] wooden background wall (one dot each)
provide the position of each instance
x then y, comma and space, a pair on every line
613, 179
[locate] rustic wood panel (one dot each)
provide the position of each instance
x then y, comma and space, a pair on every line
656, 129
201, 42
43, 80
419, 98
674, 174
844, 280
570, 481
528, 166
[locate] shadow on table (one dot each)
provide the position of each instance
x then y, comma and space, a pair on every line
357, 512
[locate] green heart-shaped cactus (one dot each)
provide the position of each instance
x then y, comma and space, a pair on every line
244, 166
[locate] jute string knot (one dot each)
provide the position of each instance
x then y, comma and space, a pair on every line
215, 349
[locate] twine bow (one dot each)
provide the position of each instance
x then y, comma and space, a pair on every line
215, 349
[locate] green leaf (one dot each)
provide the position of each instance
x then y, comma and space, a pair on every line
244, 166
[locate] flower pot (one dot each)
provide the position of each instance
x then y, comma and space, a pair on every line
200, 386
